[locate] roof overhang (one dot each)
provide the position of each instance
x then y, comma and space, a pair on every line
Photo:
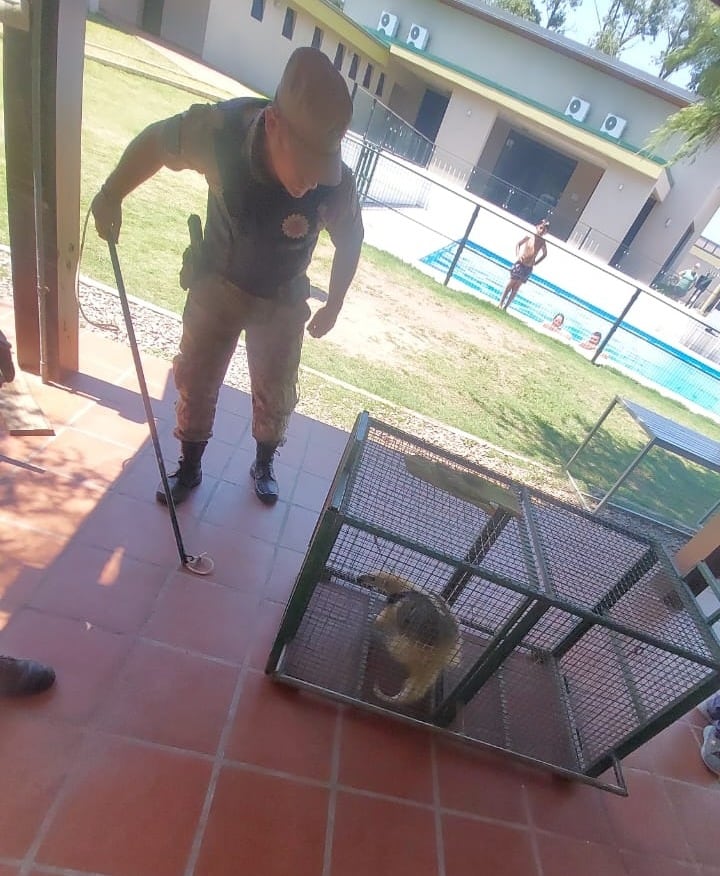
355, 35
558, 43
553, 125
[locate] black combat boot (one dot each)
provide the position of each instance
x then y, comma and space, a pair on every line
20, 677
261, 471
188, 474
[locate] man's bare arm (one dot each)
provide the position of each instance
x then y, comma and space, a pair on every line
540, 255
142, 159
344, 266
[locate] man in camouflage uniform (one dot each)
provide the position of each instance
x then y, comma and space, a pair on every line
275, 179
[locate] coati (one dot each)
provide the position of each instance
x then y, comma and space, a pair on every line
419, 631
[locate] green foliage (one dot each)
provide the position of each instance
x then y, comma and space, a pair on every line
698, 125
626, 21
522, 8
555, 13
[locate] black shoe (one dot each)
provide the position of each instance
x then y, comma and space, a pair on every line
21, 677
261, 471
188, 474
7, 368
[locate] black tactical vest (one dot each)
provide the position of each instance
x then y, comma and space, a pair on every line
257, 235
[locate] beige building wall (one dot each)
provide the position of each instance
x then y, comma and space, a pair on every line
694, 198
465, 129
616, 201
255, 52
123, 10
580, 188
183, 23
491, 51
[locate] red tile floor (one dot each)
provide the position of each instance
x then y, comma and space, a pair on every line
163, 750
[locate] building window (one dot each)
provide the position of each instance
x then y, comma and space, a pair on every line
258, 9
317, 38
380, 85
352, 72
339, 56
289, 24
368, 76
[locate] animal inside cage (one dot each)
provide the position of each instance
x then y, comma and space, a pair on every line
443, 593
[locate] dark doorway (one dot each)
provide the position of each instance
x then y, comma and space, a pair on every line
529, 178
431, 113
152, 16
632, 231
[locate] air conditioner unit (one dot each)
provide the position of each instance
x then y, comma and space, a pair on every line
577, 109
418, 36
613, 125
388, 24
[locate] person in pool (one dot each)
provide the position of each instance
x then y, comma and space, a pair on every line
557, 323
592, 342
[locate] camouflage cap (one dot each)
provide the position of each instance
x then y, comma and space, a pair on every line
313, 99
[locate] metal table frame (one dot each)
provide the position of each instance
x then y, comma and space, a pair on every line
662, 432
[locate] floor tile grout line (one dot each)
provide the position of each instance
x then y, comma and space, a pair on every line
65, 871
532, 830
90, 726
218, 763
63, 789
688, 845
332, 796
437, 813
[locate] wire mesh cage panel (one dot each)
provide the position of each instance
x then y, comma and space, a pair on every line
444, 593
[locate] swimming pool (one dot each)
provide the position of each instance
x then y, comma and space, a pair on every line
633, 349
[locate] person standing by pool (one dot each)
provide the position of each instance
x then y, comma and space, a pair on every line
529, 252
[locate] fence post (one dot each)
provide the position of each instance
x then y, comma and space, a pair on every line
601, 346
365, 168
461, 245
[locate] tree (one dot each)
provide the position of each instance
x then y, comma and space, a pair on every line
555, 13
522, 8
679, 29
629, 20
699, 124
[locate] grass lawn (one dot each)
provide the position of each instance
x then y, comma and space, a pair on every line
402, 336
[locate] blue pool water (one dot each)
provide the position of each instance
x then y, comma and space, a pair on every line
486, 273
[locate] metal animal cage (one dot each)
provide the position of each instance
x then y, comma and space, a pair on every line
578, 642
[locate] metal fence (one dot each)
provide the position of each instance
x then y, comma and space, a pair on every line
469, 244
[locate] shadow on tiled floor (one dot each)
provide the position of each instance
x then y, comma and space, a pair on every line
164, 751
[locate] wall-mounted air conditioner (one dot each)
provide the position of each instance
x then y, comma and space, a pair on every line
388, 23
613, 125
418, 36
577, 109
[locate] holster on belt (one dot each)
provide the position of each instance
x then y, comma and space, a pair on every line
192, 260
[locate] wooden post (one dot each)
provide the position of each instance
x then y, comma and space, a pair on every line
21, 220
43, 109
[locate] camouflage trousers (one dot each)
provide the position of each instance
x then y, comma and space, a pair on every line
215, 314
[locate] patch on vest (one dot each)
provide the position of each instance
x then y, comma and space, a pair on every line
296, 226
